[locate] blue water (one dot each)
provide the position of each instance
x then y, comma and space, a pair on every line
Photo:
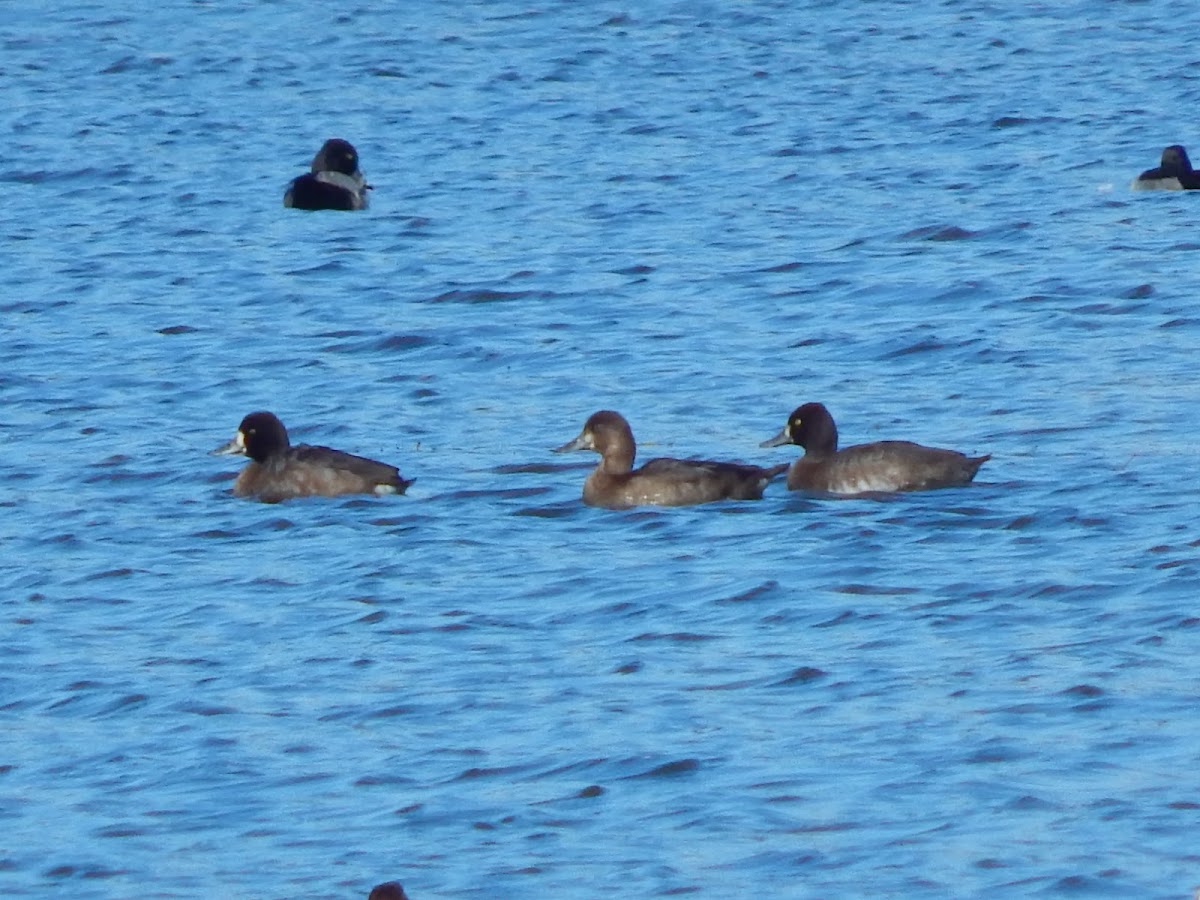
699, 214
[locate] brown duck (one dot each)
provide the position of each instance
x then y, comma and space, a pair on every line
616, 484
279, 471
881, 467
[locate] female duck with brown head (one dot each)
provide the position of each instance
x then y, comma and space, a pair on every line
280, 471
881, 467
660, 482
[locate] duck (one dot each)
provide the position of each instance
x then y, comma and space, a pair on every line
615, 484
1174, 173
880, 467
335, 181
279, 471
389, 890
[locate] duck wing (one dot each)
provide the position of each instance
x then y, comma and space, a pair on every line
704, 480
887, 467
348, 469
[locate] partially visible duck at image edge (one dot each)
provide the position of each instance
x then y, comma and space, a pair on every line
1174, 173
278, 471
880, 467
661, 482
390, 890
335, 181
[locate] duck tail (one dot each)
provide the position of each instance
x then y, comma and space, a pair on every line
975, 462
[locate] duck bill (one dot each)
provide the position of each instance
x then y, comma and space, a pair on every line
778, 441
236, 447
580, 443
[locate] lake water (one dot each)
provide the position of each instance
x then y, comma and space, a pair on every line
702, 215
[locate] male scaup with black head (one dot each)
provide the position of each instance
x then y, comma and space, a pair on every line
278, 471
660, 482
335, 181
881, 467
1174, 173
390, 890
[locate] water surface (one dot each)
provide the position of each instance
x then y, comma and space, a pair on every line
699, 214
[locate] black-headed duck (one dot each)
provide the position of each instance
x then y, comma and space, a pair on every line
279, 471
881, 467
335, 181
390, 890
660, 482
1174, 173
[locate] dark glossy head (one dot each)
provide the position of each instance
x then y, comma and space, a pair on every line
809, 426
336, 155
1175, 161
607, 433
390, 890
260, 436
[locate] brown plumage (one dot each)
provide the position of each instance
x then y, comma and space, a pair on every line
279, 471
881, 467
660, 482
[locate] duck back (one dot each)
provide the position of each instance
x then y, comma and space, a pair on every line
678, 482
325, 190
883, 467
307, 471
